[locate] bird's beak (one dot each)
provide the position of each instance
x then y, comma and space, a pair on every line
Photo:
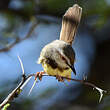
73, 69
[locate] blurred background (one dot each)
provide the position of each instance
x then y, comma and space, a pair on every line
27, 25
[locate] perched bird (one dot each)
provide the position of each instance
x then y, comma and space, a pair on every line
58, 57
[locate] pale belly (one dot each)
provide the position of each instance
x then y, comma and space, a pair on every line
50, 71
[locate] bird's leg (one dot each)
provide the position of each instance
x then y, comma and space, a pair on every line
60, 79
39, 75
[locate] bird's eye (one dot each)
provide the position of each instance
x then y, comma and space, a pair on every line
63, 58
66, 68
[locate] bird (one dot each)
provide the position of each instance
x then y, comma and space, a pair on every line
58, 57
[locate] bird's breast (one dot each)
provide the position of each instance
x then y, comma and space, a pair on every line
56, 71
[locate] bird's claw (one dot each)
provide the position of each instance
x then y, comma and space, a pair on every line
60, 79
39, 75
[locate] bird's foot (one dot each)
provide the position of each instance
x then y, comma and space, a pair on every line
39, 75
60, 79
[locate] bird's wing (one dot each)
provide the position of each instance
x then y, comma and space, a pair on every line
70, 22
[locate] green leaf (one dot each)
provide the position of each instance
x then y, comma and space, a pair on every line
6, 106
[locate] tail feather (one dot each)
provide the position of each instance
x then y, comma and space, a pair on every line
70, 22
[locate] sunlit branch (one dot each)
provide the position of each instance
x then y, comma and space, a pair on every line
26, 79
84, 82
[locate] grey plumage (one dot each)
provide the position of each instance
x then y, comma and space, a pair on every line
58, 52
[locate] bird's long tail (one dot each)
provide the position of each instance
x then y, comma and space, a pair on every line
70, 22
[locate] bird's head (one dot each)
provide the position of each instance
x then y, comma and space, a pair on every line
58, 54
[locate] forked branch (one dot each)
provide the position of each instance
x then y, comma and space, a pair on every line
26, 79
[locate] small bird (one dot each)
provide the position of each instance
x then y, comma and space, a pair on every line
58, 57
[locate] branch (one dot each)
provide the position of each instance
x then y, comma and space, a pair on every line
26, 79
84, 82
7, 48
18, 89
15, 92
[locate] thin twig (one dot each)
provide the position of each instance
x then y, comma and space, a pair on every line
31, 30
84, 82
18, 89
11, 96
21, 65
25, 80
72, 79
15, 92
7, 48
